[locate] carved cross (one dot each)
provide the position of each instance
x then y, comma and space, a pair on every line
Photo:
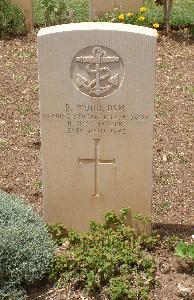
97, 163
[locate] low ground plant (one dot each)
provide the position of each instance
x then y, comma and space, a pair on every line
26, 248
109, 261
185, 251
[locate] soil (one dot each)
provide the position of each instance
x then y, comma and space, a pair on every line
172, 196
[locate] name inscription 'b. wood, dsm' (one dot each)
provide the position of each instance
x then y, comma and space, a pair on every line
97, 71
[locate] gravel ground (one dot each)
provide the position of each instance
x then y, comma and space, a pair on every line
172, 196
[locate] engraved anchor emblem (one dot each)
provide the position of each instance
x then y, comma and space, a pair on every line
103, 81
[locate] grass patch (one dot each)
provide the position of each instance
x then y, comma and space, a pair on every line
3, 145
28, 129
24, 110
163, 207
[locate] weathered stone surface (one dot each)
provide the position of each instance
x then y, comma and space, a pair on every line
97, 112
98, 7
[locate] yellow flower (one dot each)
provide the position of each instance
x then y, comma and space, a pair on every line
143, 9
141, 18
129, 14
121, 17
156, 25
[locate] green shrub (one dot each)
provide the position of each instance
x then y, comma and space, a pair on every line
64, 11
182, 13
110, 260
80, 10
53, 12
12, 20
26, 250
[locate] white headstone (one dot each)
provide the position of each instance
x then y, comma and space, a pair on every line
97, 114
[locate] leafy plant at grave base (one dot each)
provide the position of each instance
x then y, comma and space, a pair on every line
12, 20
58, 232
143, 219
26, 248
110, 260
185, 250
171, 242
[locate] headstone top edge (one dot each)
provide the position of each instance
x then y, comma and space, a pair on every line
104, 26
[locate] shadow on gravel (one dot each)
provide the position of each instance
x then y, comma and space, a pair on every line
180, 230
